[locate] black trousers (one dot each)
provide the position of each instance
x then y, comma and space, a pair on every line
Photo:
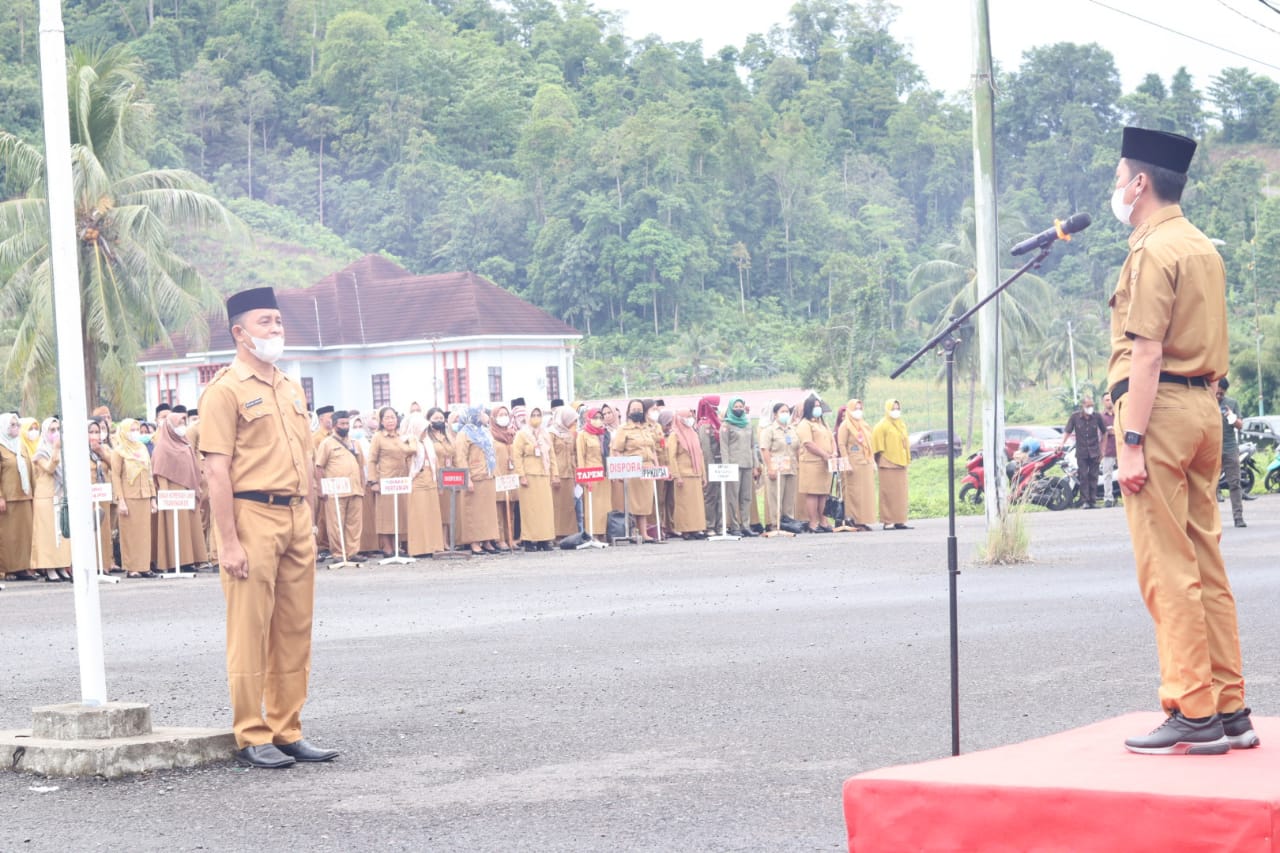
1089, 478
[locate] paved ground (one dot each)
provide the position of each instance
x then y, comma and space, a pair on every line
693, 696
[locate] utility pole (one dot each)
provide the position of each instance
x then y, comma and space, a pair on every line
988, 271
1075, 386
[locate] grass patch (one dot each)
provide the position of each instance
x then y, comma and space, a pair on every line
1008, 543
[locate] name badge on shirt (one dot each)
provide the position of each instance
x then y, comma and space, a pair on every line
537, 451
257, 401
298, 407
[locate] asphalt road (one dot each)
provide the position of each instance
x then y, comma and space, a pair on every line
686, 697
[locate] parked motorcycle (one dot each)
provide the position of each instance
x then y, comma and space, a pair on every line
1272, 481
1248, 470
1030, 482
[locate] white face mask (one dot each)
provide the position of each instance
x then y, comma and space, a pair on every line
134, 435
268, 350
1088, 410
688, 422
33, 434
653, 414
857, 414
895, 414
1122, 211
180, 431
502, 420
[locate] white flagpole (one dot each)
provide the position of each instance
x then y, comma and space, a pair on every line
70, 347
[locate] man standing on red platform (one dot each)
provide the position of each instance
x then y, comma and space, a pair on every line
1168, 349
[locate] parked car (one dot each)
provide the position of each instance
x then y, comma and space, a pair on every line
1263, 430
932, 442
1050, 437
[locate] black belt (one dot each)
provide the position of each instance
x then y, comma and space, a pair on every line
1122, 387
270, 500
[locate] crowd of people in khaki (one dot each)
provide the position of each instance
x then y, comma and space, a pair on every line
791, 460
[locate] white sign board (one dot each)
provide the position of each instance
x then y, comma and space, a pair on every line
396, 485
837, 463
100, 492
722, 473
657, 474
336, 485
782, 464
507, 482
626, 467
175, 500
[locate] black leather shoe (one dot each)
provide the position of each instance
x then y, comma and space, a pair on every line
303, 751
267, 756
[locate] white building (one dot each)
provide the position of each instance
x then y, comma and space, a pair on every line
375, 335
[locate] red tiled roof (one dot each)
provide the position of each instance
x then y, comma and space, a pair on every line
375, 301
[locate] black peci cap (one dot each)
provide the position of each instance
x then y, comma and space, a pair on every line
324, 410
248, 300
179, 410
1168, 150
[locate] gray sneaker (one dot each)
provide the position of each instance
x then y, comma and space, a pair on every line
1239, 730
1178, 735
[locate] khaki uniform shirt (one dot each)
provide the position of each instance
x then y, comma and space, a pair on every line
335, 458
1172, 289
263, 427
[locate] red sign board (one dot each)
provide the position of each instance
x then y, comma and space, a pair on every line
588, 475
453, 478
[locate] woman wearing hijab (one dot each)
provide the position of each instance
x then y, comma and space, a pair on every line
362, 429
16, 479
780, 453
426, 534
666, 458
738, 447
564, 423
593, 452
892, 451
441, 438
478, 504
503, 428
100, 474
611, 423
134, 493
817, 446
653, 420
858, 484
389, 455
175, 467
535, 462
50, 551
689, 476
29, 429
708, 428
635, 438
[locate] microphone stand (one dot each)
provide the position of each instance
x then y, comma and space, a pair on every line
949, 340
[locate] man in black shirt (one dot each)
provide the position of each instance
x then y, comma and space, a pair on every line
1231, 421
1090, 432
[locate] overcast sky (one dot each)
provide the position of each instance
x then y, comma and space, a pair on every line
939, 31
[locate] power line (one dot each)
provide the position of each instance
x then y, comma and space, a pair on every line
1191, 37
1269, 6
1256, 23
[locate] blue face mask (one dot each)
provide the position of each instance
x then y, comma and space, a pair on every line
784, 418
357, 434
457, 426
817, 411
145, 438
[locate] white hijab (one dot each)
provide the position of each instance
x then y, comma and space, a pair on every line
14, 444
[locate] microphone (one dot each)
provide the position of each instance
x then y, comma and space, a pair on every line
1060, 231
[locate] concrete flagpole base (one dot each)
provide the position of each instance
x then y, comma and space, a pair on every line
112, 741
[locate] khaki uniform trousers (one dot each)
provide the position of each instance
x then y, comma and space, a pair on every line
1175, 527
269, 622
789, 482
351, 527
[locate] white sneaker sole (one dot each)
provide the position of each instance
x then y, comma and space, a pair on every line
1211, 747
1248, 740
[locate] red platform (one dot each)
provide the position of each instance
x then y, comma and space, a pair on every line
1078, 791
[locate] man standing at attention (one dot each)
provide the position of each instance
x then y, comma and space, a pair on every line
1090, 432
256, 438
1168, 349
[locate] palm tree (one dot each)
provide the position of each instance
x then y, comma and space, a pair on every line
948, 286
697, 350
136, 289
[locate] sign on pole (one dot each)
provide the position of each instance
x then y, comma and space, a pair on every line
336, 486
454, 478
588, 475
625, 467
396, 486
656, 473
507, 483
175, 501
722, 473
100, 493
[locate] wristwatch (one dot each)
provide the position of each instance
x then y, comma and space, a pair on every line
1133, 439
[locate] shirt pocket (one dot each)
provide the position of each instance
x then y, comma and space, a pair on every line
257, 428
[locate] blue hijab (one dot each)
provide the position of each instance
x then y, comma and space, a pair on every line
473, 429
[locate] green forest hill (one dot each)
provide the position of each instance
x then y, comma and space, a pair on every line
793, 208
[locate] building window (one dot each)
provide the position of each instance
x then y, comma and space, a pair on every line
553, 383
309, 390
455, 385
207, 372
381, 390
495, 384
